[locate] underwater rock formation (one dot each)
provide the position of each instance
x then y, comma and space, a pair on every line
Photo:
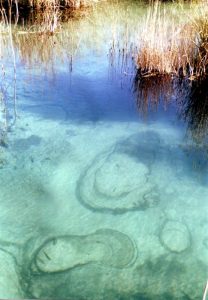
175, 236
54, 268
107, 247
42, 268
95, 266
118, 180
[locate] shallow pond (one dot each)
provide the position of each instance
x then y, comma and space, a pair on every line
103, 185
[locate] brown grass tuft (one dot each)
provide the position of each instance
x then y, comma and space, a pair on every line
174, 44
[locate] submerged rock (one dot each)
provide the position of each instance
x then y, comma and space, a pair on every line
106, 247
175, 236
75, 266
113, 178
115, 183
118, 180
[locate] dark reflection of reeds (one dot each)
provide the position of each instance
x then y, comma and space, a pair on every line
194, 109
98, 30
190, 98
150, 91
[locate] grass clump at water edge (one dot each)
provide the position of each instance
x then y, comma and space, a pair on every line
176, 43
47, 4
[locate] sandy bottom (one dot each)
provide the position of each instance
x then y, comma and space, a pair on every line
103, 210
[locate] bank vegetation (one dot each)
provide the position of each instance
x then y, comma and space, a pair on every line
174, 45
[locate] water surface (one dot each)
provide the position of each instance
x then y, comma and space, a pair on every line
103, 189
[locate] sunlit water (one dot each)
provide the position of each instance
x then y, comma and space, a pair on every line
101, 197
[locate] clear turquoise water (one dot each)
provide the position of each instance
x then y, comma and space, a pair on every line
100, 199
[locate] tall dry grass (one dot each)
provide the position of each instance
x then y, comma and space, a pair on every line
98, 27
174, 42
47, 4
8, 76
49, 13
173, 63
199, 25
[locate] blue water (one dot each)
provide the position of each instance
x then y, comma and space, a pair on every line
101, 195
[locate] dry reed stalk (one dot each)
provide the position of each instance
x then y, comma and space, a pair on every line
47, 4
163, 48
33, 45
48, 21
170, 47
199, 25
8, 23
7, 39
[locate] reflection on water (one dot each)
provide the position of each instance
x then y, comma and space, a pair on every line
103, 185
195, 110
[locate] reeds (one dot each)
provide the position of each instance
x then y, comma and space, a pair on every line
173, 63
199, 25
47, 4
49, 13
174, 44
8, 113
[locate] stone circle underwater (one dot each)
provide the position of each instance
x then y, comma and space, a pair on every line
44, 262
119, 180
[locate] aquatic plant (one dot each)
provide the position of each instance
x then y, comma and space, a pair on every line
199, 25
46, 13
172, 63
173, 43
7, 48
47, 4
35, 42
